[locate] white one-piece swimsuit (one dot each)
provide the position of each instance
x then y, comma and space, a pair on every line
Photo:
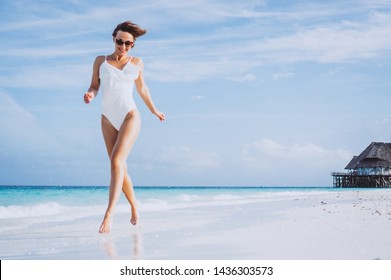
117, 90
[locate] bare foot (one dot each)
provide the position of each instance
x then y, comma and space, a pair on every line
134, 219
105, 226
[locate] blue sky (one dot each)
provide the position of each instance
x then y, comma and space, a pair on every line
263, 93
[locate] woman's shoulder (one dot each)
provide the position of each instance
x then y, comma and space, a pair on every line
100, 58
137, 60
98, 61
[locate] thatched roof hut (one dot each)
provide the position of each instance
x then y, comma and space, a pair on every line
372, 168
376, 156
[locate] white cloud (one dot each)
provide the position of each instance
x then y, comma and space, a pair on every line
265, 151
282, 75
337, 42
248, 78
20, 131
330, 40
43, 76
189, 70
18, 125
181, 158
197, 97
221, 47
11, 112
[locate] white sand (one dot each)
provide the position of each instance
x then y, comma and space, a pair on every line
316, 225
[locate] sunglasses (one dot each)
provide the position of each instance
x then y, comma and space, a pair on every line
119, 42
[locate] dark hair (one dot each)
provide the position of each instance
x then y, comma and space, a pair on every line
131, 28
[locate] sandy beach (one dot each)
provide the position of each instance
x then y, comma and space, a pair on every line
294, 225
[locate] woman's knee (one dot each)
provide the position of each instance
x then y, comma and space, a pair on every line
117, 161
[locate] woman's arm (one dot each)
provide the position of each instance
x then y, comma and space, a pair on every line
143, 90
95, 83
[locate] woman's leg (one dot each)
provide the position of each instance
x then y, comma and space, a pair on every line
123, 141
110, 136
127, 188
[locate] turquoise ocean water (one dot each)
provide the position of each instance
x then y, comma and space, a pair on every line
30, 196
40, 201
20, 201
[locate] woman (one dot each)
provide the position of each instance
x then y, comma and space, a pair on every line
115, 75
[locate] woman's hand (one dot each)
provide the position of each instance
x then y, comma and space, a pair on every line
161, 116
88, 97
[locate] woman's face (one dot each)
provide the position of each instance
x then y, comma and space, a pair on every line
124, 41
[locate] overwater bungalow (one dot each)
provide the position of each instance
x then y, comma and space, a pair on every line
371, 169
